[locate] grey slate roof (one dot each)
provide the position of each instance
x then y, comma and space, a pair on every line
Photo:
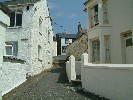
16, 2
66, 35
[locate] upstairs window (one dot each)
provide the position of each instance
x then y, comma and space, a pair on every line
94, 16
105, 12
66, 41
16, 19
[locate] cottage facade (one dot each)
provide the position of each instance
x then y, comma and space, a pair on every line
110, 31
63, 40
30, 35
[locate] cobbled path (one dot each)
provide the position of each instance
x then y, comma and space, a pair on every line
50, 86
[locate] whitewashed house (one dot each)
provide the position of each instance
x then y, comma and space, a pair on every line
110, 31
63, 40
4, 22
30, 35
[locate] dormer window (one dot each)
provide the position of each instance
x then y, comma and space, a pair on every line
16, 19
94, 16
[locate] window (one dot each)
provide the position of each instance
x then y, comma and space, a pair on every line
94, 16
66, 41
96, 50
11, 48
49, 35
64, 49
39, 53
105, 12
16, 19
107, 49
27, 8
40, 24
8, 50
129, 42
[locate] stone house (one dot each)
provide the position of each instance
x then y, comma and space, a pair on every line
110, 31
63, 40
79, 46
4, 22
54, 47
30, 35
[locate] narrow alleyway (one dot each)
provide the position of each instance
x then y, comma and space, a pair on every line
49, 85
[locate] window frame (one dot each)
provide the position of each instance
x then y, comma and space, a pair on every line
105, 12
107, 49
94, 16
15, 26
63, 49
67, 41
5, 50
96, 61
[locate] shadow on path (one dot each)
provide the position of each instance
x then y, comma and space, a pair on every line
61, 69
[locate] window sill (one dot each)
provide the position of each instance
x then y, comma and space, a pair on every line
14, 27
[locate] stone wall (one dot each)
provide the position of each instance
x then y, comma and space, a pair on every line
4, 21
13, 74
31, 36
78, 47
112, 81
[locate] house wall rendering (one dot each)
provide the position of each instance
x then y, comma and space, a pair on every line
4, 22
110, 31
34, 36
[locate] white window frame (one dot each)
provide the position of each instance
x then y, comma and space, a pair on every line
12, 50
95, 51
107, 49
105, 12
93, 16
15, 20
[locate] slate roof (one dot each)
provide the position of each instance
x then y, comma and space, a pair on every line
16, 2
4, 9
66, 35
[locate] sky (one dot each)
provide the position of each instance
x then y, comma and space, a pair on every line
66, 15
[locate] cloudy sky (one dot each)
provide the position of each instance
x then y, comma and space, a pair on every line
66, 14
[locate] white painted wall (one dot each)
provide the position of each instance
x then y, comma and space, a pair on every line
120, 17
54, 48
112, 81
73, 68
78, 67
70, 69
120, 20
13, 74
64, 44
4, 21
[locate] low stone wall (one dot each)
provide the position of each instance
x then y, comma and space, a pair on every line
13, 74
113, 81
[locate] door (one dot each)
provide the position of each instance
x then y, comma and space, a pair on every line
128, 48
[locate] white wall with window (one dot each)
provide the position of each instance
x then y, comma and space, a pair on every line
16, 19
64, 43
